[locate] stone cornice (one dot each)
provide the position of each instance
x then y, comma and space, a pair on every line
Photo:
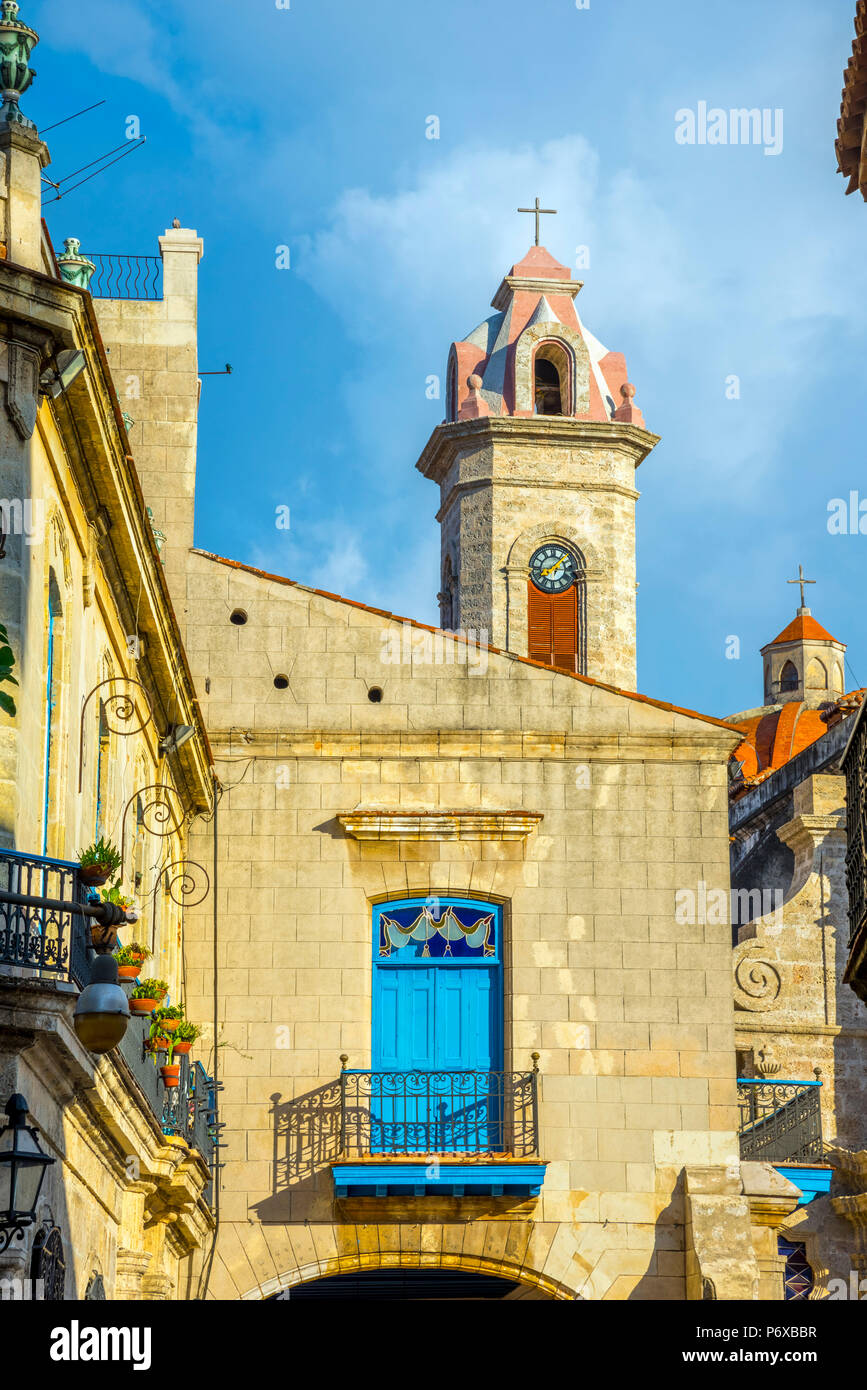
753, 1025
533, 284
810, 832
480, 484
376, 824
564, 430
712, 742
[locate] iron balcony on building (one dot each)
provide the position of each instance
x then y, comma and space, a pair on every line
780, 1122
438, 1133
50, 944
119, 276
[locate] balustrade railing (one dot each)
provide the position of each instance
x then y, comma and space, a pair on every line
43, 939
125, 277
780, 1121
53, 943
438, 1112
188, 1109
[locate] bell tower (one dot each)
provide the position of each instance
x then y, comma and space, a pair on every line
536, 463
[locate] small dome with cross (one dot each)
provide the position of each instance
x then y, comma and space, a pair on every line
534, 356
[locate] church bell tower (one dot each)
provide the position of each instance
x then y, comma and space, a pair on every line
536, 465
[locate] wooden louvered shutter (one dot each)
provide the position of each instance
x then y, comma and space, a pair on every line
540, 645
552, 627
564, 623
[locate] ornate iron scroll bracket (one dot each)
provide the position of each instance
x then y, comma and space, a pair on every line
159, 808
121, 706
191, 879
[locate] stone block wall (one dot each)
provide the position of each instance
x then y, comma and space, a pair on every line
504, 495
153, 355
630, 1011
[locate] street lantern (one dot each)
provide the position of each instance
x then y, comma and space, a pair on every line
22, 1169
102, 1010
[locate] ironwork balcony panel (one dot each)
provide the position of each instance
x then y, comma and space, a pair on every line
780, 1121
446, 1113
119, 276
187, 1109
43, 940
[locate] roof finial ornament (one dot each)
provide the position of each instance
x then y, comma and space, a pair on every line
17, 42
627, 413
802, 581
539, 212
474, 405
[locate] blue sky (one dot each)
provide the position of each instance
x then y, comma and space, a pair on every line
305, 126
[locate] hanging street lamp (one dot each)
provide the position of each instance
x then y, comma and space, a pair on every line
22, 1169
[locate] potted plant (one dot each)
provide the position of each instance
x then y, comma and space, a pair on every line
104, 938
168, 1017
98, 863
184, 1036
170, 1070
147, 996
130, 960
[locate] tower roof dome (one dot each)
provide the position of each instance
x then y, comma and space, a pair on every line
803, 628
536, 314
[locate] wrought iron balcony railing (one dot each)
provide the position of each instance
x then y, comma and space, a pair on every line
47, 940
125, 277
53, 944
780, 1121
188, 1109
438, 1112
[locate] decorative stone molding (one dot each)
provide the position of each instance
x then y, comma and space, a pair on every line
131, 1268
534, 284
439, 825
758, 983
20, 371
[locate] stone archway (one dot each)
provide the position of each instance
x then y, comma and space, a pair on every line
538, 1257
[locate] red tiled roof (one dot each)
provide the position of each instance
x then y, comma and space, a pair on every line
458, 637
773, 739
804, 628
850, 126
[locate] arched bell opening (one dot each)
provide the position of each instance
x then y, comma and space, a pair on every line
789, 677
552, 379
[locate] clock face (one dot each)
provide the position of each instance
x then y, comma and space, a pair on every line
553, 568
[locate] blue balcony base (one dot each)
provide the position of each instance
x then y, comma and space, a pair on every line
431, 1179
813, 1181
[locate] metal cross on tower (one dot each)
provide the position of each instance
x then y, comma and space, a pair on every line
539, 212
802, 581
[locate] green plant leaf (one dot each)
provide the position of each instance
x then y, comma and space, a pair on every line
7, 704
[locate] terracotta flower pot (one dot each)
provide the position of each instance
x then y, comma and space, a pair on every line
142, 1006
182, 1048
94, 875
169, 1024
171, 1075
128, 972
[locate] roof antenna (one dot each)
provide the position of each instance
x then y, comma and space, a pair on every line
75, 116
65, 179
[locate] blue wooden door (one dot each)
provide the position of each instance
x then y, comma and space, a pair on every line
437, 1057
